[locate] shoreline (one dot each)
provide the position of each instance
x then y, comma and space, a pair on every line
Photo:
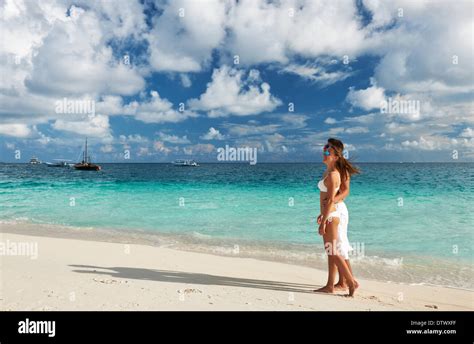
87, 274
297, 254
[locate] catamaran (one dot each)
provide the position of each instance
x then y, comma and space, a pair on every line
183, 162
86, 164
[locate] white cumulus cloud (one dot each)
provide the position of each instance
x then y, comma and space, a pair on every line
370, 98
15, 130
212, 134
230, 93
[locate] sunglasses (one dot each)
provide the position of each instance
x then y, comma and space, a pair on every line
326, 151
327, 146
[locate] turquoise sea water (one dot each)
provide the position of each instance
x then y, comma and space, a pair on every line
409, 222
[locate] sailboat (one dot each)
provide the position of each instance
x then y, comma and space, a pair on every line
86, 164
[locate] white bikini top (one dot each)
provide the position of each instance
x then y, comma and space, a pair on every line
323, 187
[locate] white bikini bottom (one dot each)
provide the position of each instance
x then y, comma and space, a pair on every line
343, 245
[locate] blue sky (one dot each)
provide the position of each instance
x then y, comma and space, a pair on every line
164, 81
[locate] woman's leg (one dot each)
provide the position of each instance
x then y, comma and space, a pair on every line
329, 287
332, 267
341, 284
342, 267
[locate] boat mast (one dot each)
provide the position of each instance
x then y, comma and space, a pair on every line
84, 154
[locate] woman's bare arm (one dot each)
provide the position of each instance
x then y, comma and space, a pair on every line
332, 183
322, 200
344, 190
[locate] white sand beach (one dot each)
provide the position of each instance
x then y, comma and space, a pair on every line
76, 274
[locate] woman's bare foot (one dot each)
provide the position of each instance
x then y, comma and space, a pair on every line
326, 289
352, 288
340, 286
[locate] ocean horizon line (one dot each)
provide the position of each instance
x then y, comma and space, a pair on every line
260, 163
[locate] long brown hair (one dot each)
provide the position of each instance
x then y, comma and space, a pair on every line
343, 165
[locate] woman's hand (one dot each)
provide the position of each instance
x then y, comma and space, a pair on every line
322, 228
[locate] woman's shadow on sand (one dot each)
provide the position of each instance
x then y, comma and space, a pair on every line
193, 278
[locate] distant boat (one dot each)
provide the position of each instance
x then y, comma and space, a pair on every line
35, 161
59, 163
85, 164
182, 162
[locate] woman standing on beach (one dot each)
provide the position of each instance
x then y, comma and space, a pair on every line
334, 217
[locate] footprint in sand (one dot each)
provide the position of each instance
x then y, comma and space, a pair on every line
110, 281
105, 281
432, 306
189, 291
